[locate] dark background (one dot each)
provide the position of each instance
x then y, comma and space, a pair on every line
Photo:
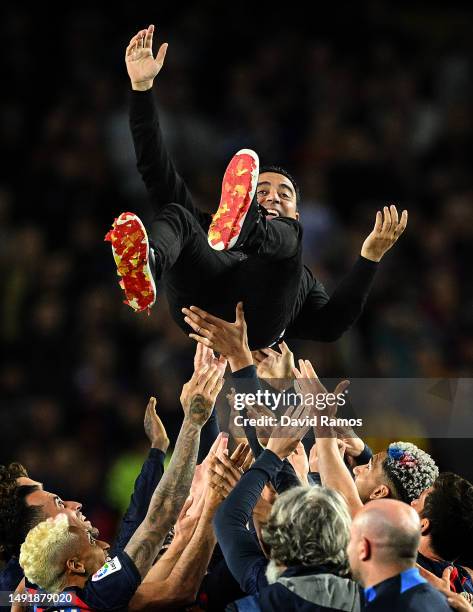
365, 105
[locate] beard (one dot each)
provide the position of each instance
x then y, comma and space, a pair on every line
356, 575
273, 571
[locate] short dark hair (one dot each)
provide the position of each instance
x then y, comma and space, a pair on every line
279, 170
449, 508
16, 517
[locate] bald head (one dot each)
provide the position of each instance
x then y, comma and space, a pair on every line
384, 536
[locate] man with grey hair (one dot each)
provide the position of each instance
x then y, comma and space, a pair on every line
382, 553
305, 540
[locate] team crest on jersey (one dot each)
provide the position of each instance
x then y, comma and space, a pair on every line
107, 568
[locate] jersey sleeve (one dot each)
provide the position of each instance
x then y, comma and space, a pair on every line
113, 585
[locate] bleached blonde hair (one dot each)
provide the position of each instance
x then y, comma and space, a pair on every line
44, 553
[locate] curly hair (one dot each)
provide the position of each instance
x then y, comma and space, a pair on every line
45, 551
449, 508
309, 526
410, 470
16, 517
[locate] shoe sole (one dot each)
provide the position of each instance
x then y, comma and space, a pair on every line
130, 248
238, 188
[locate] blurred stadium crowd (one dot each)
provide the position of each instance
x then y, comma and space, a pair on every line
361, 116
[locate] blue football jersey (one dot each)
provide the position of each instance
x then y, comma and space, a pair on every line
109, 589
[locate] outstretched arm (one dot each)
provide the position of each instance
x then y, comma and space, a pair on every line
240, 548
333, 471
181, 584
327, 318
197, 398
162, 181
210, 431
148, 479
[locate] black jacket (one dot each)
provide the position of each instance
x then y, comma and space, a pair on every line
315, 315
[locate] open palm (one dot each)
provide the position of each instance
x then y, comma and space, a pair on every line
142, 67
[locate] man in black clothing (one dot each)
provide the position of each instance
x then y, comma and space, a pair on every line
305, 537
445, 510
382, 552
264, 271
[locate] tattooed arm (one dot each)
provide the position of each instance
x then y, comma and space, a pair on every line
197, 399
181, 586
148, 479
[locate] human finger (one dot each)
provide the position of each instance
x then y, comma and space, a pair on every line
201, 339
148, 41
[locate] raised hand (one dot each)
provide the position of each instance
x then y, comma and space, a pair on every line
228, 339
274, 366
205, 356
199, 394
300, 463
263, 432
223, 476
263, 507
199, 482
186, 522
154, 428
142, 67
241, 457
353, 444
386, 231
284, 438
313, 459
197, 398
308, 383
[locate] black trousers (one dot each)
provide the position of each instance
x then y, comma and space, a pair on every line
265, 274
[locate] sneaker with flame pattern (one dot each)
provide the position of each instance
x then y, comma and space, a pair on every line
238, 189
131, 252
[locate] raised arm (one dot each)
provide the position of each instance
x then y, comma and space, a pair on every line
240, 548
210, 431
230, 340
182, 583
148, 479
197, 399
162, 181
333, 471
327, 318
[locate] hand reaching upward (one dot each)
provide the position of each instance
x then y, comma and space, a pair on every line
228, 339
275, 367
154, 427
142, 67
205, 356
386, 231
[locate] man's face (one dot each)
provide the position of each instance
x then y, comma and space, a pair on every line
418, 504
368, 477
91, 553
353, 551
51, 504
276, 193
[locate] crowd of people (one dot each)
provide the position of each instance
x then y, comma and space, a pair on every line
379, 117
266, 526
